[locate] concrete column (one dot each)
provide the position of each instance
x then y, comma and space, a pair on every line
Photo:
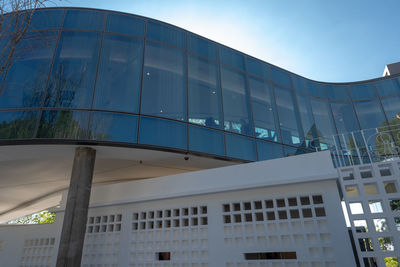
76, 211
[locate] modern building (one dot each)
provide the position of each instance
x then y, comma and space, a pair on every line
391, 69
178, 123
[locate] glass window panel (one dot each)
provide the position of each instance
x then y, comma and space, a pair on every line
63, 124
205, 106
307, 120
113, 127
325, 127
202, 46
84, 20
27, 76
388, 87
345, 117
258, 68
299, 83
264, 111
235, 99
159, 132
370, 114
74, 70
164, 83
240, 147
46, 19
288, 114
391, 105
17, 124
206, 140
281, 76
362, 91
232, 58
166, 34
337, 92
118, 82
125, 24
292, 151
267, 150
316, 89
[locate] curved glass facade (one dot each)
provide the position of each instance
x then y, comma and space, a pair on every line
112, 78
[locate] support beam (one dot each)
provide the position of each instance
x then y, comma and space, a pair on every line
76, 211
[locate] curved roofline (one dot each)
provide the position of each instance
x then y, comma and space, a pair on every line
292, 73
67, 142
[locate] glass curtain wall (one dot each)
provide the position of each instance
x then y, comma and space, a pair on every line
90, 75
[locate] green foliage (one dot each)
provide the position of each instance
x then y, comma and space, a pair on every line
391, 262
36, 218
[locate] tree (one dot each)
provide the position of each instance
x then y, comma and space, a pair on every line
15, 18
391, 262
37, 218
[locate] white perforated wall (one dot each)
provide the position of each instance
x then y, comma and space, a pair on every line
372, 197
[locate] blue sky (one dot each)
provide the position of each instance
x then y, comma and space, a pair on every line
337, 41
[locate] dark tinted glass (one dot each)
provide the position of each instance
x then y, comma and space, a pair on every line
299, 83
388, 87
264, 111
27, 76
337, 92
205, 107
391, 105
113, 127
369, 114
345, 117
325, 127
316, 89
232, 58
84, 20
292, 151
159, 132
125, 24
307, 119
237, 114
118, 82
362, 91
240, 147
17, 124
202, 46
63, 124
267, 150
280, 76
288, 114
46, 19
258, 68
74, 70
206, 140
164, 82
166, 34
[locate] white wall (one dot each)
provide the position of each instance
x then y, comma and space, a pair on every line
129, 223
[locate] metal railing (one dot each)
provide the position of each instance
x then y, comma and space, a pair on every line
362, 147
